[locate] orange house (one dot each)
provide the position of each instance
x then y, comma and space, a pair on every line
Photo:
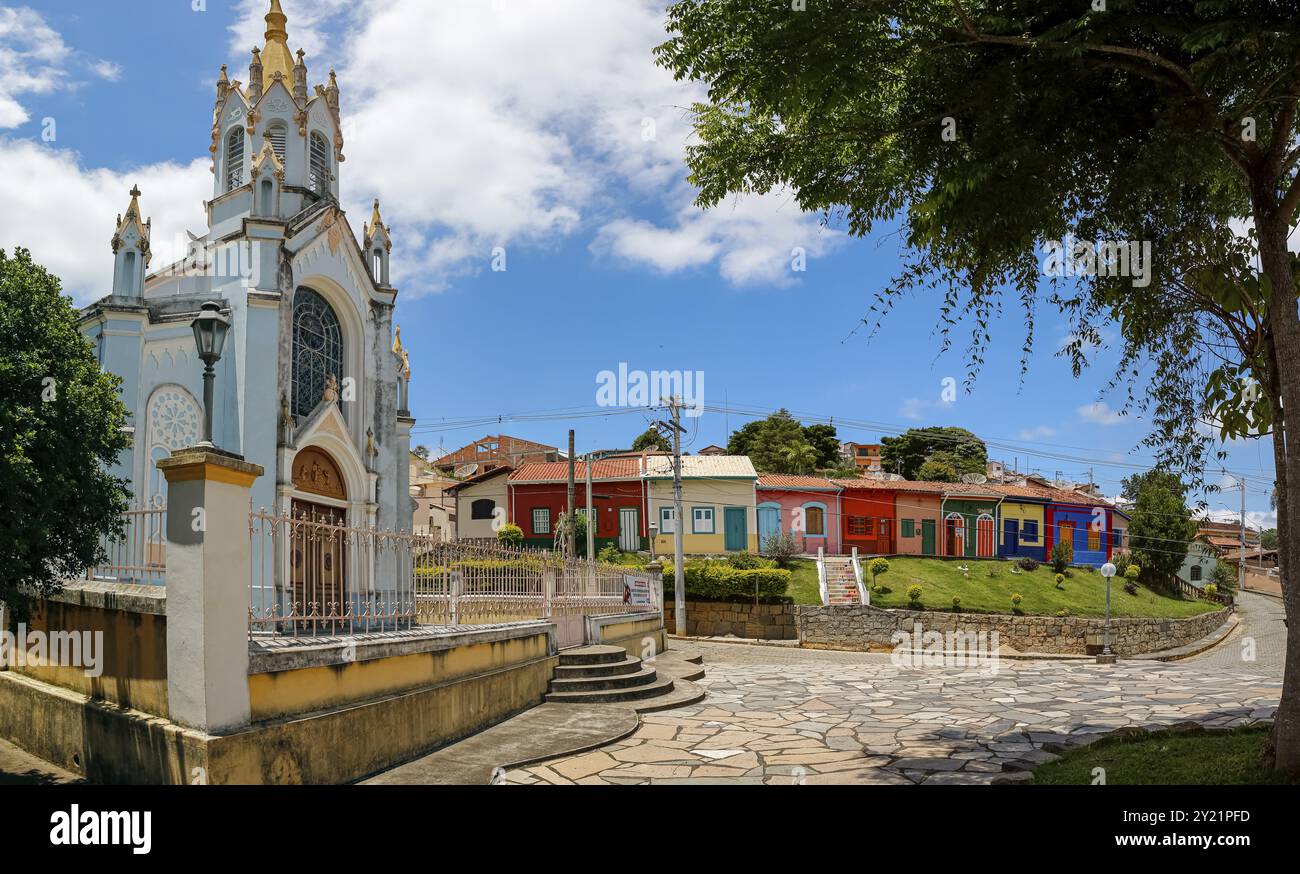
867, 516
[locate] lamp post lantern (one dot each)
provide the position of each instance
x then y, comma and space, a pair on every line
210, 336
1107, 571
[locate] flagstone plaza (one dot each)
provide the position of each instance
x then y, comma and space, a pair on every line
782, 715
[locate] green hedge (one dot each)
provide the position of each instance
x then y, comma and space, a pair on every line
719, 581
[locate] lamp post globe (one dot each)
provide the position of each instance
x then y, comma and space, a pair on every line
1107, 571
210, 330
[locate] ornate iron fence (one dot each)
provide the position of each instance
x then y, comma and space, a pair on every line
313, 575
139, 553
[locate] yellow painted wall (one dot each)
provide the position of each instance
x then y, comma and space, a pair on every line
632, 635
1023, 512
716, 493
133, 659
283, 693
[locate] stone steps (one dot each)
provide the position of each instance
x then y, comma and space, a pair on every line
607, 675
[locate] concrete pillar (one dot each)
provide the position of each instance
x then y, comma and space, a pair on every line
207, 587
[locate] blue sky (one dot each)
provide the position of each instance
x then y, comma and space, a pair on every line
545, 129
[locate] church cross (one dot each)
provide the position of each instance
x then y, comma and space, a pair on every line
135, 191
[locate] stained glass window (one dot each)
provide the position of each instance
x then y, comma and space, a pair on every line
317, 350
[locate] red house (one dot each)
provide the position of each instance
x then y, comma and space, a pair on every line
867, 516
538, 495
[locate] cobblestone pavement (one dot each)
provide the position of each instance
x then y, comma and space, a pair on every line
778, 715
1262, 637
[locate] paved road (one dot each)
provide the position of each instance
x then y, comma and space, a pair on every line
1258, 645
783, 715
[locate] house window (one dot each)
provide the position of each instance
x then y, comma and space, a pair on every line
318, 180
1094, 539
857, 525
592, 520
1117, 538
909, 528
666, 523
868, 526
1196, 573
235, 159
317, 350
482, 508
541, 520
702, 520
1028, 531
814, 521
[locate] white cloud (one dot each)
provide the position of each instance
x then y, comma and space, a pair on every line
64, 212
1035, 432
1100, 413
33, 59
916, 410
523, 122
107, 70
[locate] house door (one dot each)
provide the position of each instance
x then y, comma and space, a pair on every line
736, 537
769, 523
317, 564
1010, 536
985, 534
1065, 534
927, 536
629, 534
955, 536
885, 543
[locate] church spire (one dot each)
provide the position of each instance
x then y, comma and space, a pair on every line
131, 250
276, 57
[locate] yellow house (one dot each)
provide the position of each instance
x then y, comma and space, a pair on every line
1022, 531
717, 504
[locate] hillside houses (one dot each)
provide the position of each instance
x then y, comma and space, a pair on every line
729, 507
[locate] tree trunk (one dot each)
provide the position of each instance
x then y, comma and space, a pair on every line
1284, 325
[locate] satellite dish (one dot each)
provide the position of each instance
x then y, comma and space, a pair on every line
464, 470
974, 479
895, 477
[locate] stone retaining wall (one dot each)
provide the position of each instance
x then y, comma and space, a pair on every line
870, 628
754, 621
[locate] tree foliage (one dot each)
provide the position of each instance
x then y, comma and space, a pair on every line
780, 444
983, 129
1162, 528
61, 428
954, 448
652, 439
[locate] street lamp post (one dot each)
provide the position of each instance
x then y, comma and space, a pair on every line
1107, 571
210, 336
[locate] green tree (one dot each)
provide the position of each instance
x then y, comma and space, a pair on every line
61, 428
986, 127
1268, 538
1162, 527
823, 439
652, 439
937, 472
776, 444
956, 447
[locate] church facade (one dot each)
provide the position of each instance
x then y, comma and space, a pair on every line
312, 384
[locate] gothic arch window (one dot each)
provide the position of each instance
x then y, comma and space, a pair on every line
173, 418
235, 159
319, 179
317, 350
278, 134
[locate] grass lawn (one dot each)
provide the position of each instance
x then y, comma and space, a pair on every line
1206, 758
803, 582
1083, 593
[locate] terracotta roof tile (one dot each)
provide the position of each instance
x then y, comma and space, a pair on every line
790, 481
558, 471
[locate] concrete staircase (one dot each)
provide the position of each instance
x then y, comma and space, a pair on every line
608, 675
841, 582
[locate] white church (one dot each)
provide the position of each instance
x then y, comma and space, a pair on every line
312, 384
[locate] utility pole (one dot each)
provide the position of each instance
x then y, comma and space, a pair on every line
591, 519
569, 521
679, 570
1241, 558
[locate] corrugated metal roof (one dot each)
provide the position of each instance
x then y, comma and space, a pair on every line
790, 481
702, 467
558, 471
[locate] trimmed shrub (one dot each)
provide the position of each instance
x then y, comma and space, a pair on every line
1133, 571
1211, 589
746, 561
914, 595
1061, 554
718, 581
510, 534
877, 567
1060, 581
1027, 564
956, 603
